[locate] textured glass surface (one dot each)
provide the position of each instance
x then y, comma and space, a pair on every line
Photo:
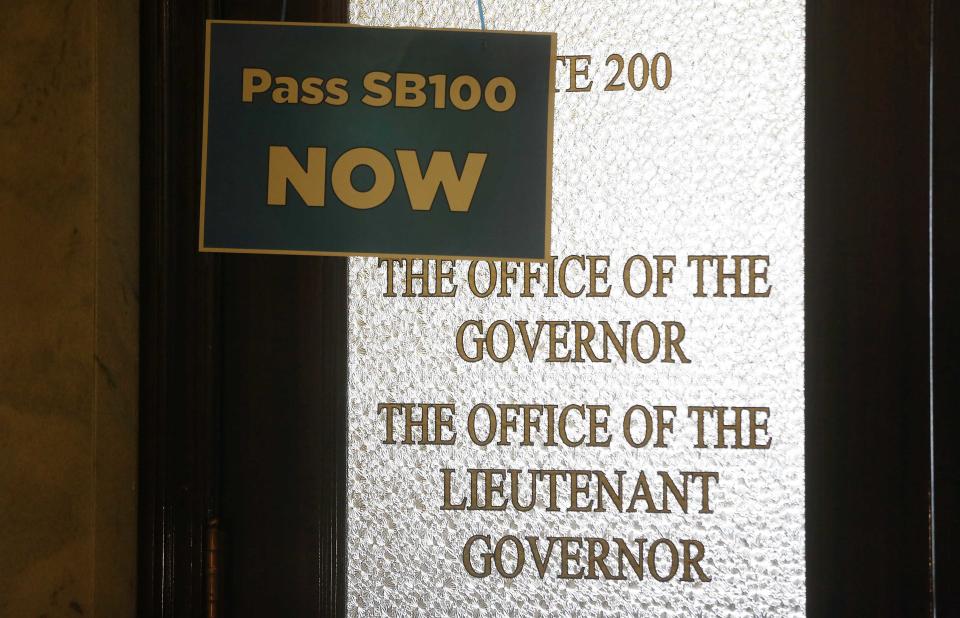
711, 165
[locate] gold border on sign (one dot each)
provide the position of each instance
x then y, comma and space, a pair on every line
548, 207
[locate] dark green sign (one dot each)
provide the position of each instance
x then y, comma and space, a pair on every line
344, 140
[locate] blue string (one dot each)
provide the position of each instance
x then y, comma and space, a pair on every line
483, 24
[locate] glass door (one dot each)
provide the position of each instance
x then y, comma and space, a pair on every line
619, 430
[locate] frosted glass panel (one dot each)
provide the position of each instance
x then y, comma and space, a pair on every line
625, 424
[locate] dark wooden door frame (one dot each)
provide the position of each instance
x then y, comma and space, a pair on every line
867, 308
243, 374
243, 358
945, 196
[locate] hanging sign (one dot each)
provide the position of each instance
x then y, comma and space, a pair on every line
340, 140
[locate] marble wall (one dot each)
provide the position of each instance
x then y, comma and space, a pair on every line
68, 307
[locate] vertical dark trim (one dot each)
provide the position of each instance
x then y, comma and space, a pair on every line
243, 369
946, 301
284, 429
178, 368
283, 492
867, 343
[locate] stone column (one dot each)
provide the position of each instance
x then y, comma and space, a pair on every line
68, 307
